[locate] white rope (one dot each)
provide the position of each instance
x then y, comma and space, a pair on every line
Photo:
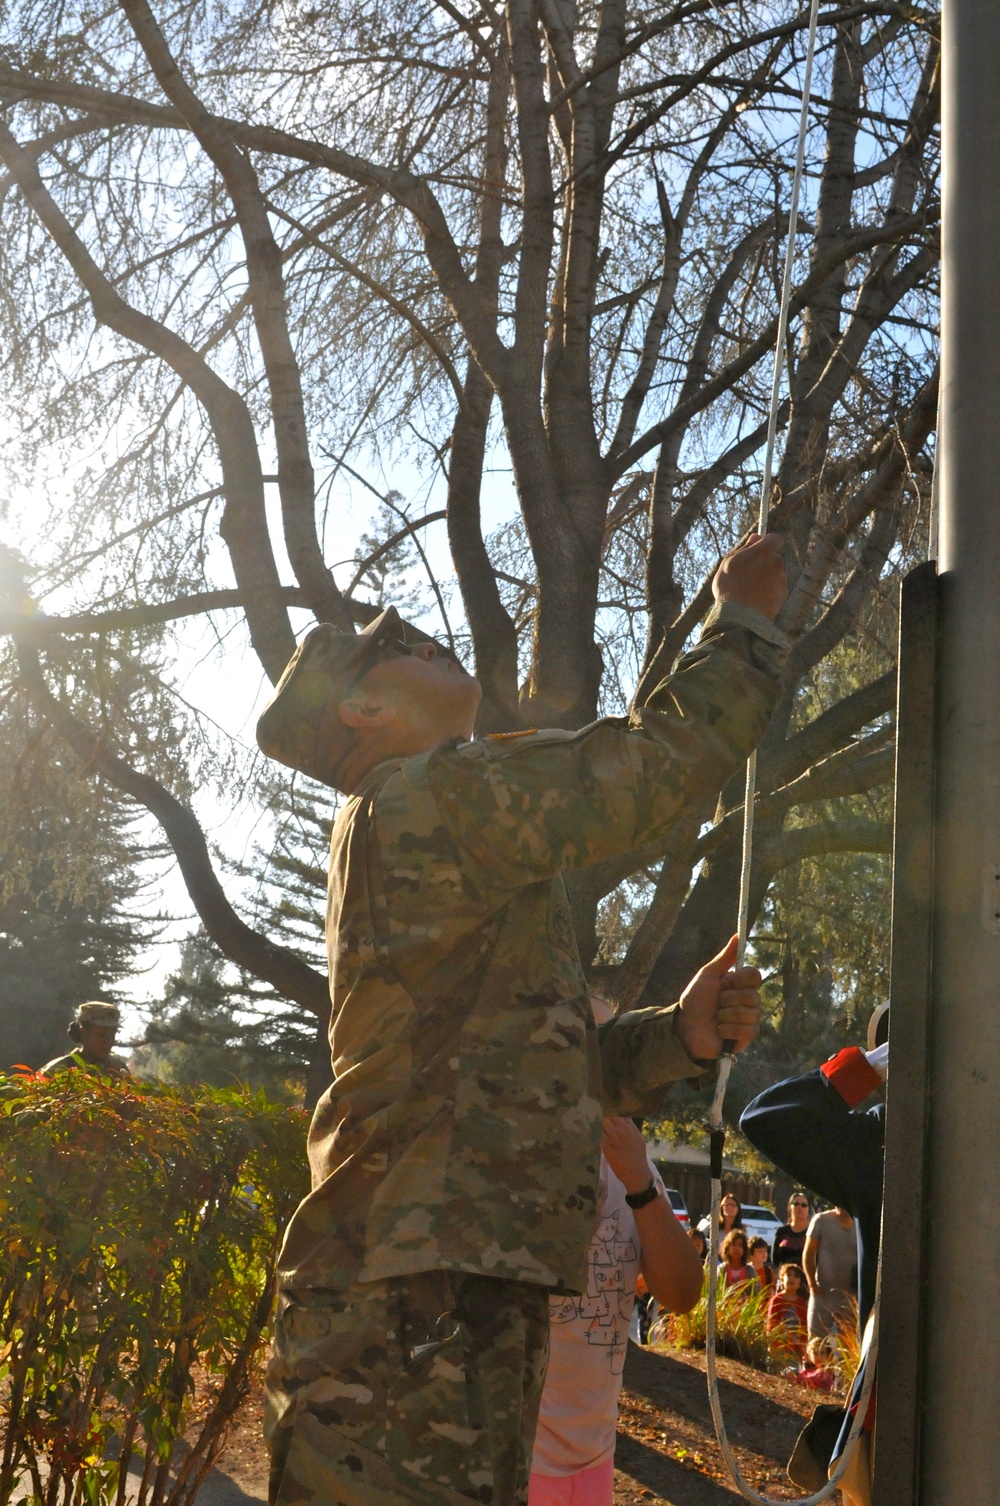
727, 1059
772, 434
743, 927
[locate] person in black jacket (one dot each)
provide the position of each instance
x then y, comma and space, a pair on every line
790, 1240
810, 1128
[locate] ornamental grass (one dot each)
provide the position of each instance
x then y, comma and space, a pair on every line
741, 1333
847, 1350
741, 1326
139, 1229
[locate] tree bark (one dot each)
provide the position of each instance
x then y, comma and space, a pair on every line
493, 632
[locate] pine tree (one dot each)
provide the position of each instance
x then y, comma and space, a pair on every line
210, 1028
69, 927
214, 1024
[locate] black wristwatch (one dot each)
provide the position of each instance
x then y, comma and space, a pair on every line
640, 1199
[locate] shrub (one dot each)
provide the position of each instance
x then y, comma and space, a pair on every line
741, 1325
140, 1227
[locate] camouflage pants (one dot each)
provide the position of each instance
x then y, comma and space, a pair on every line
422, 1389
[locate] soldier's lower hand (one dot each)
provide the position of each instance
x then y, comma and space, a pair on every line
719, 1004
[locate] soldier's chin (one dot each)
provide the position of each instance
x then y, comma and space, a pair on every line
470, 693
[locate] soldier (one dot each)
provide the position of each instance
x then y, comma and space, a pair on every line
455, 1157
94, 1026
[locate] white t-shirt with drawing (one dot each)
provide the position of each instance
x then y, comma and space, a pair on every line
588, 1338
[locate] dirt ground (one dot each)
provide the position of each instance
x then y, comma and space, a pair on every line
667, 1449
666, 1446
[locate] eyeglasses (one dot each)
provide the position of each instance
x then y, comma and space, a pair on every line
388, 638
796, 1204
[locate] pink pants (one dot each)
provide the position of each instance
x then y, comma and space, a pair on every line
588, 1487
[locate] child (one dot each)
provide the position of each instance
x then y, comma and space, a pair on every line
733, 1267
787, 1310
637, 1243
759, 1262
814, 1371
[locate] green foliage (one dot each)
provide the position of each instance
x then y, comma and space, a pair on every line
289, 899
140, 1230
824, 937
846, 1355
741, 1326
823, 946
823, 931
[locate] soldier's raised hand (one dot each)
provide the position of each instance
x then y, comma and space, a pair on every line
754, 575
721, 1003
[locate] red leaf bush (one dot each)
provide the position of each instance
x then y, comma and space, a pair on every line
139, 1228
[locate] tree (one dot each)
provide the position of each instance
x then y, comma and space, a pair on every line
209, 1028
551, 227
70, 920
216, 1023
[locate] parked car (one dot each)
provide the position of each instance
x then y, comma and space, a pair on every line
679, 1206
758, 1220
677, 1202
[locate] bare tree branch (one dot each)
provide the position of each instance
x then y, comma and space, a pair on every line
296, 483
374, 285
244, 525
852, 770
830, 730
862, 240
822, 839
410, 191
195, 605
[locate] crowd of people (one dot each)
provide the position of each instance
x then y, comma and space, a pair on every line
810, 1269
638, 1268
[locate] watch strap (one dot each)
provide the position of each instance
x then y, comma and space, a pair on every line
640, 1199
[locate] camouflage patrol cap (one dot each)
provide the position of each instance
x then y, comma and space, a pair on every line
97, 1012
299, 726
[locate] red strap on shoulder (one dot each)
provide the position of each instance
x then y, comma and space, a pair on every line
852, 1075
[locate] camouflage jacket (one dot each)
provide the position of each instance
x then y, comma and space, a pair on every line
462, 1130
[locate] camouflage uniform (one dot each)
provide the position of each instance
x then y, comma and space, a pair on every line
462, 1132
75, 1061
420, 1388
